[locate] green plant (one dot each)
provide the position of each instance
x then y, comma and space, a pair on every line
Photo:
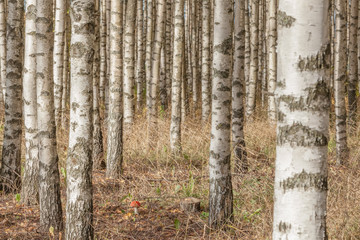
204, 215
17, 197
177, 224
248, 216
188, 188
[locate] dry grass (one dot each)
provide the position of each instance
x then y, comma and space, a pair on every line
159, 181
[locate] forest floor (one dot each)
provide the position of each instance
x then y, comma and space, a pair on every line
160, 181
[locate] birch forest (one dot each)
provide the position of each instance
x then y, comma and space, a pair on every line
179, 119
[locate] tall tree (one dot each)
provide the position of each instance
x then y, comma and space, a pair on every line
148, 53
353, 64
220, 195
49, 179
103, 52
11, 153
129, 63
115, 118
3, 47
194, 53
60, 11
30, 186
98, 148
205, 64
303, 120
238, 80
340, 63
79, 203
177, 77
139, 73
272, 59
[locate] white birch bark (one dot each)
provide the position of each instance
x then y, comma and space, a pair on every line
3, 47
353, 65
103, 52
60, 11
139, 74
148, 54
115, 118
340, 62
177, 77
303, 102
205, 62
238, 80
30, 186
10, 171
79, 202
49, 179
254, 58
220, 189
272, 22
129, 63
168, 49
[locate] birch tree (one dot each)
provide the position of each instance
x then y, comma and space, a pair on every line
254, 58
339, 80
103, 52
49, 179
115, 118
30, 186
11, 151
129, 63
79, 203
3, 47
272, 59
353, 64
238, 79
60, 10
148, 53
139, 73
220, 194
303, 120
205, 62
177, 77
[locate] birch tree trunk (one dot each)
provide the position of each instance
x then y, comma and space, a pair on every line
205, 62
220, 193
168, 49
353, 65
303, 120
103, 52
194, 55
238, 79
339, 80
49, 179
177, 77
58, 66
65, 86
3, 47
247, 51
155, 74
98, 148
79, 204
272, 59
30, 186
129, 63
148, 54
254, 58
10, 171
115, 118
140, 56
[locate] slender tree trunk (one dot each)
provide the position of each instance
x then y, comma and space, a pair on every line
49, 179
3, 47
339, 81
30, 186
272, 59
254, 60
220, 195
59, 56
260, 84
162, 84
205, 69
103, 52
11, 159
148, 55
238, 80
168, 49
194, 55
140, 57
353, 65
155, 77
98, 148
129, 63
115, 118
65, 80
247, 51
303, 94
79, 204
177, 77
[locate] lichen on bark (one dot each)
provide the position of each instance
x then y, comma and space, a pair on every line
285, 20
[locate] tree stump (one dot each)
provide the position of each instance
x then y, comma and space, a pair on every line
190, 204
